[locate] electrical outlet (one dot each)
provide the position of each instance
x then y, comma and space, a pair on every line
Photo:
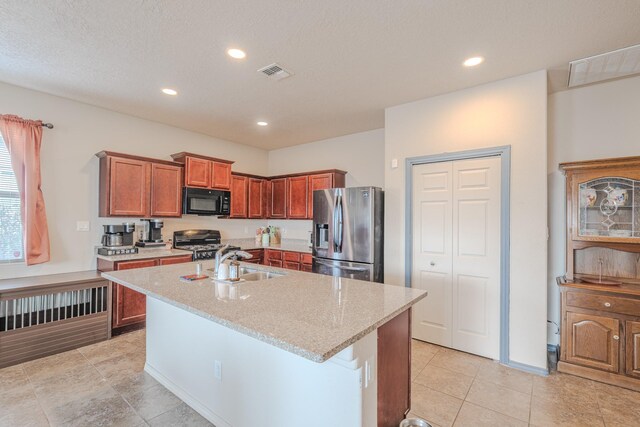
218, 370
83, 225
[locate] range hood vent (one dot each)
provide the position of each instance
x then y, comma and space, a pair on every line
606, 66
275, 71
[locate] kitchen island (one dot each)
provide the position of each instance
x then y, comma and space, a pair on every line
294, 349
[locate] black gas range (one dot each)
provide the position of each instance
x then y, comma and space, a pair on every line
203, 243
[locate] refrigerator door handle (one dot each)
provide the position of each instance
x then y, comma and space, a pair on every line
337, 225
341, 267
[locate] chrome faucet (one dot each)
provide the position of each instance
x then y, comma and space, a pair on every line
221, 256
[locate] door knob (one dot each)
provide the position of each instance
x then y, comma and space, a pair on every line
616, 337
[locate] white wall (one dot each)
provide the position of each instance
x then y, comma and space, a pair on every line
70, 171
508, 112
360, 154
590, 122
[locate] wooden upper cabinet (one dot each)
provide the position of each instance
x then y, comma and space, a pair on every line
257, 197
220, 175
238, 196
323, 181
593, 341
205, 172
129, 184
602, 200
278, 205
166, 190
298, 197
197, 172
139, 186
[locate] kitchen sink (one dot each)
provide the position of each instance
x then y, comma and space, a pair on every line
252, 275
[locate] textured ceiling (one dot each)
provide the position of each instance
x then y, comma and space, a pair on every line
351, 59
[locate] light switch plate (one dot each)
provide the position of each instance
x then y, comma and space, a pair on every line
394, 163
83, 226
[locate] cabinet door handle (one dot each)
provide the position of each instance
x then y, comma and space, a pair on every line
432, 263
616, 337
607, 304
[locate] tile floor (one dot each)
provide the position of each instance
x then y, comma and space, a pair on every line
104, 384
459, 389
100, 385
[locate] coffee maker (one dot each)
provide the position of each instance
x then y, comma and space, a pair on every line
151, 236
118, 239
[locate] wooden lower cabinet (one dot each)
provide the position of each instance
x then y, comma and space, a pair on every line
129, 307
257, 256
594, 341
288, 259
394, 370
175, 260
601, 333
632, 355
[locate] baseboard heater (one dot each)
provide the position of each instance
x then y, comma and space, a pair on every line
45, 315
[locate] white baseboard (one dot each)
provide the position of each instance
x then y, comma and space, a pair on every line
194, 403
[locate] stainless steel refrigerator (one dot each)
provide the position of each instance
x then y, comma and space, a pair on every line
348, 230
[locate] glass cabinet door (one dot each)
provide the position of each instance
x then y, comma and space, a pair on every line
609, 208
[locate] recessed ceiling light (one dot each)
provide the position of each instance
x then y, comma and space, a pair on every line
236, 53
472, 62
262, 123
168, 91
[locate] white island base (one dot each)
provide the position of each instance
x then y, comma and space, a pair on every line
258, 384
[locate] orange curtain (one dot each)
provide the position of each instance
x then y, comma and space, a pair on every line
23, 139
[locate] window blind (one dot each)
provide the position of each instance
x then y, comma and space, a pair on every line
11, 248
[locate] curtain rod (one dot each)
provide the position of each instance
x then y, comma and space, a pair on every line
47, 125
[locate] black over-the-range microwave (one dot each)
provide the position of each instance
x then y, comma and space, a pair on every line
200, 201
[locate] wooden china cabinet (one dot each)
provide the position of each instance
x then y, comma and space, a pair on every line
600, 331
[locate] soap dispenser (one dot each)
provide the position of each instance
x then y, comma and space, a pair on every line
234, 270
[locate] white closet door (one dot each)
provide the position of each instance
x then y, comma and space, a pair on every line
456, 254
476, 256
432, 251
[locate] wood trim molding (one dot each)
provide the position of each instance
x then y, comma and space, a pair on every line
601, 163
102, 154
179, 157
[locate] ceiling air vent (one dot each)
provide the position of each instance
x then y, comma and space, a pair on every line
275, 71
607, 66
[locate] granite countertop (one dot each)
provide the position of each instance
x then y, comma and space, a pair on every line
311, 315
161, 252
293, 245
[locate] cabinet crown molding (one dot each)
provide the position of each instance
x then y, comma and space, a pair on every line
180, 157
600, 163
105, 153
